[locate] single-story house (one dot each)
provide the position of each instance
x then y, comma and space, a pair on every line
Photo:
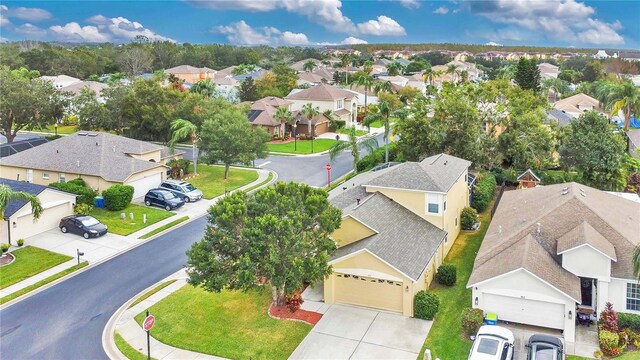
60, 81
578, 104
397, 227
100, 159
308, 79
554, 251
18, 221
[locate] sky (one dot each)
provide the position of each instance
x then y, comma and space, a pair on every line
565, 23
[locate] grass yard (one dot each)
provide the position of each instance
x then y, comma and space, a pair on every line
128, 350
146, 295
211, 180
269, 178
445, 339
164, 227
358, 132
230, 324
126, 226
304, 146
29, 261
631, 355
62, 129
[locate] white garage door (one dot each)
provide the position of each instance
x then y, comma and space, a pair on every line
49, 219
524, 311
369, 292
143, 185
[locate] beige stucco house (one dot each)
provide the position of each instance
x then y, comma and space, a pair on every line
100, 159
552, 252
324, 97
191, 74
18, 222
578, 104
398, 225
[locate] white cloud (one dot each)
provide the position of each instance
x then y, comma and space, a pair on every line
74, 32
244, 5
4, 20
29, 14
493, 43
383, 26
104, 29
30, 30
562, 20
442, 10
353, 41
241, 33
410, 4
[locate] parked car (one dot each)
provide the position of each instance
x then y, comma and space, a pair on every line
162, 198
492, 343
85, 225
544, 347
182, 189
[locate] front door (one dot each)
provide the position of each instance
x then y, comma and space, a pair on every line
29, 175
586, 289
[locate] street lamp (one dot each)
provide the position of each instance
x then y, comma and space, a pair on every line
295, 136
56, 127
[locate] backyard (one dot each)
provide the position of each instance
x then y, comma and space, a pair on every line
29, 262
231, 324
127, 226
303, 146
210, 179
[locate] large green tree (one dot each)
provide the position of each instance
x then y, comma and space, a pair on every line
280, 235
184, 129
228, 137
527, 142
527, 75
618, 96
248, 90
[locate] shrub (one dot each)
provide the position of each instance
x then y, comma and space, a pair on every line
598, 354
52, 137
69, 120
20, 242
483, 191
377, 158
335, 125
608, 319
426, 305
472, 319
77, 181
86, 195
468, 218
629, 321
608, 342
179, 168
117, 197
446, 274
82, 209
294, 301
631, 335
4, 248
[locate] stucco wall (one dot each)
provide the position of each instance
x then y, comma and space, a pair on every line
351, 230
457, 199
584, 261
152, 155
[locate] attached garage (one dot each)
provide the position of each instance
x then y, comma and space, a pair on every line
532, 312
141, 186
367, 291
49, 219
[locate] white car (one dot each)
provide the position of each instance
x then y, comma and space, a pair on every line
492, 343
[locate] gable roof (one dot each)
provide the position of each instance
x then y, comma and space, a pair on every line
15, 205
321, 92
76, 88
310, 77
188, 69
571, 103
530, 172
261, 113
559, 116
585, 234
324, 73
436, 173
96, 154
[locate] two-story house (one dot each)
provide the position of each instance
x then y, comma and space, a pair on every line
324, 97
556, 253
398, 225
191, 74
578, 104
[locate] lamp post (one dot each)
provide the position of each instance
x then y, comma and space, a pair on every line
56, 127
295, 136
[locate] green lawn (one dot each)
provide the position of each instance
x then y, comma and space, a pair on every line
151, 292
29, 261
210, 179
126, 226
62, 129
269, 178
230, 324
445, 337
631, 355
128, 350
304, 146
164, 227
358, 132
376, 124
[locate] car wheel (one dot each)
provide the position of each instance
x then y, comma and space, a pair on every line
147, 202
63, 229
168, 208
85, 235
186, 199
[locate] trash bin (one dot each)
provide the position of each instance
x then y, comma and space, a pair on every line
99, 202
491, 319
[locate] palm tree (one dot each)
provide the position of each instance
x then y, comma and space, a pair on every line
383, 86
559, 87
206, 88
344, 61
429, 76
367, 67
181, 129
368, 142
7, 194
451, 69
383, 114
394, 69
621, 96
367, 83
309, 112
309, 66
284, 116
464, 76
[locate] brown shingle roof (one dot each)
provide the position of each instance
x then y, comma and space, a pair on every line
585, 234
321, 92
188, 69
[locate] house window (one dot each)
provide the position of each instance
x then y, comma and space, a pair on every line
339, 104
633, 296
432, 205
45, 175
62, 178
456, 221
444, 206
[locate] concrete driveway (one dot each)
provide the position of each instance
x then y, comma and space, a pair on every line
349, 332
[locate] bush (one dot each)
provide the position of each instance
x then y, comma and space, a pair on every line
446, 274
468, 218
630, 335
294, 301
179, 168
118, 197
483, 191
69, 120
426, 305
77, 181
608, 342
4, 248
82, 209
20, 242
608, 319
472, 319
377, 157
335, 125
86, 195
550, 177
629, 321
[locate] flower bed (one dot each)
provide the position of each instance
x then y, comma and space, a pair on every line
282, 312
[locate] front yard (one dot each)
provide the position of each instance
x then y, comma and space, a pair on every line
29, 262
128, 226
210, 179
303, 146
230, 324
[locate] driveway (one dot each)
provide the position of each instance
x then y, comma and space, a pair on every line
349, 332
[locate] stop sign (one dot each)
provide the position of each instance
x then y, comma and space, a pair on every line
328, 166
148, 323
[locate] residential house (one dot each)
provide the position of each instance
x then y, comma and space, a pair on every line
326, 75
227, 87
342, 103
100, 159
308, 79
577, 104
398, 225
306, 128
60, 81
462, 56
554, 252
262, 114
548, 71
258, 73
299, 65
630, 55
560, 117
191, 74
18, 221
634, 143
602, 54
76, 88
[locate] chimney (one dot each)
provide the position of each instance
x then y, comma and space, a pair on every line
538, 227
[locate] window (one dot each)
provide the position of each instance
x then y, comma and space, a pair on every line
456, 221
45, 175
339, 104
432, 206
62, 178
444, 206
633, 296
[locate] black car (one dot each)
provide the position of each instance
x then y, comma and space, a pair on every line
544, 347
85, 225
162, 198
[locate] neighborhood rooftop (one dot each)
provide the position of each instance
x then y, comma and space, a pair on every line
321, 92
15, 205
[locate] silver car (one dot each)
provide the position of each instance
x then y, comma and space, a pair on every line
182, 189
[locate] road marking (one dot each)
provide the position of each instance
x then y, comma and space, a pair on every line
266, 163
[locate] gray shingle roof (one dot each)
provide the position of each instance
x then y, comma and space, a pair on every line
585, 234
436, 173
404, 240
321, 92
560, 117
97, 154
15, 205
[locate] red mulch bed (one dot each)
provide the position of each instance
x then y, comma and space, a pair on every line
7, 259
282, 312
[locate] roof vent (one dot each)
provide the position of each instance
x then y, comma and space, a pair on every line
357, 201
78, 163
565, 191
93, 135
583, 192
499, 229
114, 148
538, 227
82, 134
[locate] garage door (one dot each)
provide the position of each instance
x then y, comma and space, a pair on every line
49, 219
532, 312
143, 185
369, 292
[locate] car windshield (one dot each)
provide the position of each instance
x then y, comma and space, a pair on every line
488, 346
89, 221
168, 195
544, 352
189, 187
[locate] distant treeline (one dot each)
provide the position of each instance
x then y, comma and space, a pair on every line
470, 48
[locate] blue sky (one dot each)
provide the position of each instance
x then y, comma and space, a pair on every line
597, 24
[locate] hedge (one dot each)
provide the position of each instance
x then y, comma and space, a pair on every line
377, 157
426, 305
177, 165
468, 218
118, 197
547, 177
446, 275
86, 195
630, 321
472, 320
77, 181
483, 191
